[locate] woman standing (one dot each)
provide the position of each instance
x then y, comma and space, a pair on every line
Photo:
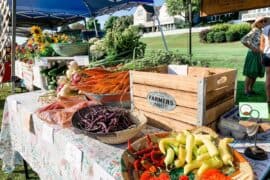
265, 49
253, 67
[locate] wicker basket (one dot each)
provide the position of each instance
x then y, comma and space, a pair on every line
128, 173
123, 136
70, 49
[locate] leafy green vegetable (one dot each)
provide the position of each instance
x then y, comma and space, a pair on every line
176, 173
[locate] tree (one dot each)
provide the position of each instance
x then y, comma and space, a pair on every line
90, 24
110, 22
180, 7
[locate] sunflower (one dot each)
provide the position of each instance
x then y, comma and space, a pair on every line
42, 47
36, 30
64, 38
55, 39
38, 39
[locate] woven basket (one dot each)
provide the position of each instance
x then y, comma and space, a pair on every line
70, 49
123, 136
244, 169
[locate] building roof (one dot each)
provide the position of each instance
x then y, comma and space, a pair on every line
149, 9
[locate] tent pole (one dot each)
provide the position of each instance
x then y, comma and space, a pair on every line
95, 25
161, 31
190, 28
13, 46
85, 23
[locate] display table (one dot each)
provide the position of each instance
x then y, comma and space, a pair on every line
49, 159
56, 153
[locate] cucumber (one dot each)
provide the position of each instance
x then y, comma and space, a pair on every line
56, 71
46, 71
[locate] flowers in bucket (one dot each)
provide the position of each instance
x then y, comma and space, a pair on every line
40, 41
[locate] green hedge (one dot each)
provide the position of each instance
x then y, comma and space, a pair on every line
219, 36
210, 37
220, 27
232, 35
203, 35
225, 33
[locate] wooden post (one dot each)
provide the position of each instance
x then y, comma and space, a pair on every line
131, 91
13, 46
201, 101
190, 29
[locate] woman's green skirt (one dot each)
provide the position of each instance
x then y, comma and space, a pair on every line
253, 67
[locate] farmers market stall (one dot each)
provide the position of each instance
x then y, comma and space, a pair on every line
80, 129
57, 153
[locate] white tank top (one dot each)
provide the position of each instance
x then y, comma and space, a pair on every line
266, 34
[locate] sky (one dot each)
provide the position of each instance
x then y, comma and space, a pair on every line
102, 19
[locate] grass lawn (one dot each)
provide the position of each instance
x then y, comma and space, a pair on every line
230, 55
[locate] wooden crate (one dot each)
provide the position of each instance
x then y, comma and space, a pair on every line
39, 80
27, 75
18, 68
183, 101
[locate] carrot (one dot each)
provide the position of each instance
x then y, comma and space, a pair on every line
104, 82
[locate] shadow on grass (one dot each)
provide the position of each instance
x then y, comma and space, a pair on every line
31, 173
259, 88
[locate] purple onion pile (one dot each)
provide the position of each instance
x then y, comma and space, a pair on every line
102, 119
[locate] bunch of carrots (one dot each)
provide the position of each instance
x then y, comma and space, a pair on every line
101, 81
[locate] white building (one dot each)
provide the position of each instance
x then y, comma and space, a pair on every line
251, 15
144, 16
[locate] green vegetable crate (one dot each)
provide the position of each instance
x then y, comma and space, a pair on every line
180, 97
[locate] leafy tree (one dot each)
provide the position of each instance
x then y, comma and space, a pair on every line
180, 7
110, 22
90, 24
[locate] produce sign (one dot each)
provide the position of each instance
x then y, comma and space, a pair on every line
102, 119
253, 110
161, 100
185, 155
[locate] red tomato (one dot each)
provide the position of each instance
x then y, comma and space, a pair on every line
214, 174
146, 175
164, 176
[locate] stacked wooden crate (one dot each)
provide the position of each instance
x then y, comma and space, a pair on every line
183, 101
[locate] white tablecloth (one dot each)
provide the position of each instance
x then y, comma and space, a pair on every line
49, 156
